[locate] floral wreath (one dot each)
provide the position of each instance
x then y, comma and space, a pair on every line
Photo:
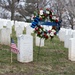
44, 15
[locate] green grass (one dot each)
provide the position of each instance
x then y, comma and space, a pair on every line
52, 60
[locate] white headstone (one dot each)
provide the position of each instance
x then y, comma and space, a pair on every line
5, 36
39, 41
25, 46
19, 31
27, 24
8, 25
73, 33
21, 25
71, 51
12, 22
66, 42
61, 34
67, 37
28, 30
0, 36
16, 24
1, 24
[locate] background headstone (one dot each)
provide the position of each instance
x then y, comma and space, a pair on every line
73, 33
61, 34
8, 25
0, 36
71, 51
67, 37
19, 31
21, 24
5, 36
1, 24
39, 41
28, 30
16, 24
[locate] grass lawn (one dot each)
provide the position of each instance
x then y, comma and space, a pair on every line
52, 60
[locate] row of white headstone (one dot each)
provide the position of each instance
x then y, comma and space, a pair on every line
19, 28
24, 41
5, 31
68, 37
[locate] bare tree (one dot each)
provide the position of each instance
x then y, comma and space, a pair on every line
9, 5
24, 10
31, 6
69, 5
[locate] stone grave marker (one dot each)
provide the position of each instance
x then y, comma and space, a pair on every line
28, 30
25, 46
8, 25
39, 41
19, 31
0, 36
16, 24
1, 24
21, 25
61, 34
67, 37
71, 51
5, 36
73, 33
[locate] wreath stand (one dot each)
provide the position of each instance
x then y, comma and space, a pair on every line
38, 53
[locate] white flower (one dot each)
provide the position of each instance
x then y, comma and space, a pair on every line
53, 31
51, 34
47, 12
54, 17
41, 12
52, 13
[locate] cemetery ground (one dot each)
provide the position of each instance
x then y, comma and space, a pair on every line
52, 60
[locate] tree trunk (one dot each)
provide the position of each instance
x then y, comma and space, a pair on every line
12, 9
12, 14
71, 26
